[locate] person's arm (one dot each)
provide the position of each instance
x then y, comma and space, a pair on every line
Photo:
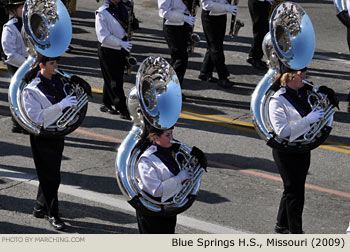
282, 127
215, 7
8, 40
104, 36
153, 184
38, 114
166, 11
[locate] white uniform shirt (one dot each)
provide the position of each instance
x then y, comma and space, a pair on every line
108, 30
12, 44
285, 119
39, 109
155, 178
173, 11
348, 6
216, 7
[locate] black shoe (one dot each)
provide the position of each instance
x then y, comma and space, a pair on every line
124, 114
205, 77
225, 83
250, 60
107, 109
281, 230
57, 223
40, 213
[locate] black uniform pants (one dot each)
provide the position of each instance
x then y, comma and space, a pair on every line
177, 38
293, 168
259, 12
47, 155
156, 224
214, 28
113, 64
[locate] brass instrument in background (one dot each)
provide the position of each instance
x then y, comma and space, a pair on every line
131, 61
236, 24
195, 38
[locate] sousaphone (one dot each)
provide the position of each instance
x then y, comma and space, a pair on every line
156, 100
290, 41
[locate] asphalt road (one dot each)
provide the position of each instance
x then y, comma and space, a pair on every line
241, 191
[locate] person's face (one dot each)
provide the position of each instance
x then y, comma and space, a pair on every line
164, 139
48, 69
296, 83
19, 11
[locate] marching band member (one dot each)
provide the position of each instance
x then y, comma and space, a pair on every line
259, 11
291, 117
214, 26
111, 25
11, 39
177, 23
13, 45
160, 176
44, 100
4, 17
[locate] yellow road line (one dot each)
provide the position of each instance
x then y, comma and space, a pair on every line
249, 127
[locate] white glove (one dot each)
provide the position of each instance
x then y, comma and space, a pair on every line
69, 101
231, 8
184, 175
190, 20
270, 1
126, 45
315, 116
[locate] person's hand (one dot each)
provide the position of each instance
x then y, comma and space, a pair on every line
200, 156
190, 20
69, 101
270, 1
331, 95
315, 116
86, 86
231, 8
184, 175
126, 45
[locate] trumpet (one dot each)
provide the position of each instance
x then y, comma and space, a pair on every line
236, 24
195, 39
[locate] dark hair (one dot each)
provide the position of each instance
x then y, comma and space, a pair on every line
43, 59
